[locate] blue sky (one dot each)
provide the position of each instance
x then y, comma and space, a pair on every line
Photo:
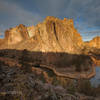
86, 14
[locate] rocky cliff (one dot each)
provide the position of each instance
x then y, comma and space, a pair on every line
95, 42
16, 34
52, 35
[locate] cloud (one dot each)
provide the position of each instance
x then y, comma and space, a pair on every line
93, 32
12, 14
86, 13
87, 10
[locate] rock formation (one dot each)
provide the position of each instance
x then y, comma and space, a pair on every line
16, 35
31, 31
52, 35
55, 51
95, 42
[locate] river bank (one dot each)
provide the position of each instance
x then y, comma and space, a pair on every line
95, 81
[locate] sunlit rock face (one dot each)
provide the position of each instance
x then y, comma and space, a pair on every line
51, 35
31, 31
16, 34
58, 35
95, 42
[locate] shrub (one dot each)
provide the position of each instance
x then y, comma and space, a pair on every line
71, 89
97, 91
55, 81
85, 87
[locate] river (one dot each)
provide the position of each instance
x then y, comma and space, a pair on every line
95, 81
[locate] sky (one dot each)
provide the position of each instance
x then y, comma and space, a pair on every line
86, 14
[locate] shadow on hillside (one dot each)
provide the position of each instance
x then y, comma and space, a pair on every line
59, 60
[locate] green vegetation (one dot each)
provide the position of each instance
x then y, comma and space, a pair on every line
71, 88
42, 78
55, 81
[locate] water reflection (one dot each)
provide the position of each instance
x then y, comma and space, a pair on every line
95, 81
